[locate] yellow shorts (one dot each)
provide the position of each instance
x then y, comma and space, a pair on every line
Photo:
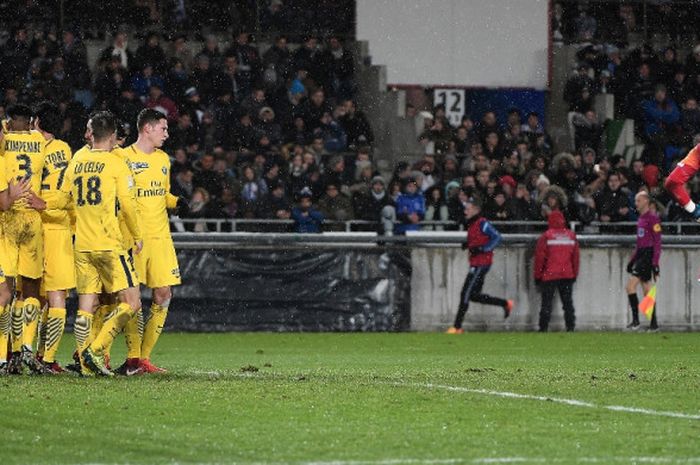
59, 260
23, 240
157, 263
111, 271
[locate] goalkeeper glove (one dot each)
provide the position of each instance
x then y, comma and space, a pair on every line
183, 206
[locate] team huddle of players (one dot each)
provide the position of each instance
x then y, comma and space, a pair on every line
95, 221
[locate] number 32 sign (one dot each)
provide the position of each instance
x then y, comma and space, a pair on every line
453, 101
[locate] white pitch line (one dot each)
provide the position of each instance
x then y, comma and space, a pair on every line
498, 460
558, 400
465, 461
507, 394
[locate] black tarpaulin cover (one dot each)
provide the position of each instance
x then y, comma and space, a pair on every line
296, 289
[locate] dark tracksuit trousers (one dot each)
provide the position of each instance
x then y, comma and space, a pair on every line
565, 287
471, 292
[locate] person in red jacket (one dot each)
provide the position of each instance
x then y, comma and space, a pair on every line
482, 238
682, 173
556, 267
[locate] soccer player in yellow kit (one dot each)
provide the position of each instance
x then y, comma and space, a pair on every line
157, 265
9, 193
59, 261
133, 329
24, 153
99, 183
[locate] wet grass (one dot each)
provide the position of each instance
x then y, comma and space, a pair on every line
389, 398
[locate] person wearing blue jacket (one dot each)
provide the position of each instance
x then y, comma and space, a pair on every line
410, 208
306, 218
660, 113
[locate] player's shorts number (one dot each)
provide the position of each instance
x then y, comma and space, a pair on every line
89, 193
25, 164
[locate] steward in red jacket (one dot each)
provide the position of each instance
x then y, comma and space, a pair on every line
556, 267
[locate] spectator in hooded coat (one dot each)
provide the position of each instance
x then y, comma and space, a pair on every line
556, 268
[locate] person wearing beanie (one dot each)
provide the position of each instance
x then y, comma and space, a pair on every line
376, 207
482, 239
556, 268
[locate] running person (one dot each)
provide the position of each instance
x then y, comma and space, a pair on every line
482, 239
157, 266
644, 263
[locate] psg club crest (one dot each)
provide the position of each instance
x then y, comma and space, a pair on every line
164, 170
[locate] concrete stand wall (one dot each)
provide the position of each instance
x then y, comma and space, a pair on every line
599, 293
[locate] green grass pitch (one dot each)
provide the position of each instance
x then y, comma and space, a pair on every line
374, 399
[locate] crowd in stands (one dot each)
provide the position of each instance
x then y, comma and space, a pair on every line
248, 130
275, 132
513, 165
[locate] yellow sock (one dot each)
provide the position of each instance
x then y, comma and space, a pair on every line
111, 311
17, 325
5, 317
31, 310
98, 319
133, 333
111, 328
41, 343
154, 327
55, 323
82, 329
83, 337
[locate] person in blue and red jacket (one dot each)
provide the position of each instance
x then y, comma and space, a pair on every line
556, 267
482, 239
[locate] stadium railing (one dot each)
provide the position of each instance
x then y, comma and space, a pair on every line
219, 225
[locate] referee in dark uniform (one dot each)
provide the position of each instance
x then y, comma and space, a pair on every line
644, 264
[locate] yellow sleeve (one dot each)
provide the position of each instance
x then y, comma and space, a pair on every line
57, 200
3, 174
127, 203
170, 199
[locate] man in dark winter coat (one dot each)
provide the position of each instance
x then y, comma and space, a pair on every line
368, 206
612, 202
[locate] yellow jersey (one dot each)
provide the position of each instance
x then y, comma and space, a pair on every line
24, 154
58, 154
98, 181
152, 189
127, 239
3, 175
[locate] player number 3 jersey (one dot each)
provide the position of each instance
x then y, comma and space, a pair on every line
24, 158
